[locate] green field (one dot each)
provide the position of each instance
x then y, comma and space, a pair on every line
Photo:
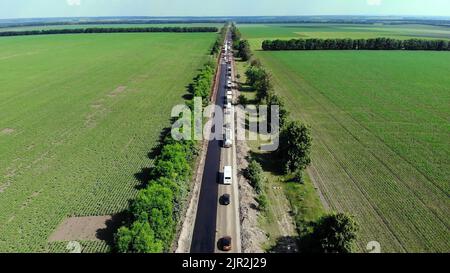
256, 33
381, 128
79, 116
380, 124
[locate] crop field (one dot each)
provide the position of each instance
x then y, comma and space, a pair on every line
381, 129
256, 33
80, 115
46, 27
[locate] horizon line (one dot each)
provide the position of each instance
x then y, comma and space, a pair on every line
447, 17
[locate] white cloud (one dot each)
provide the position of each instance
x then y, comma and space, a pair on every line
374, 2
73, 2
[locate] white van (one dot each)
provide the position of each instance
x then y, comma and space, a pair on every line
227, 175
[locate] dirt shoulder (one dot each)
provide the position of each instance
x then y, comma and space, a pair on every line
253, 237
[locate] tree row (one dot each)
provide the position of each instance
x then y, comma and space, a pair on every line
156, 211
358, 44
241, 46
331, 233
108, 30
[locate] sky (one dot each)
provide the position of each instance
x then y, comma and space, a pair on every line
86, 8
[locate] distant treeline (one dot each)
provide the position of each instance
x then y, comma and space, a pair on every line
109, 30
109, 22
445, 22
440, 23
359, 44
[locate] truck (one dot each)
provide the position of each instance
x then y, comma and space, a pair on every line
227, 175
226, 112
227, 138
229, 99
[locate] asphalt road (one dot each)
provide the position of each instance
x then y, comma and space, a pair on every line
228, 223
213, 220
204, 236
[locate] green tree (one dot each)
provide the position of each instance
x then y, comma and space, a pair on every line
244, 50
174, 186
260, 80
173, 162
283, 113
335, 233
263, 202
139, 238
254, 173
295, 147
254, 74
156, 202
235, 33
263, 86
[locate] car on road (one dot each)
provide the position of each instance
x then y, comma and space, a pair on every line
225, 243
227, 175
225, 199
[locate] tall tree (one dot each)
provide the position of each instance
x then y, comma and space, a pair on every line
283, 113
139, 238
156, 205
263, 86
244, 50
335, 233
295, 147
